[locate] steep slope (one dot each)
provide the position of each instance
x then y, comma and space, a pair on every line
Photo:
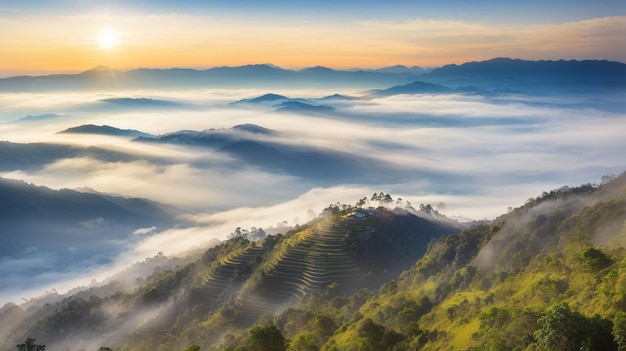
236, 283
47, 233
549, 275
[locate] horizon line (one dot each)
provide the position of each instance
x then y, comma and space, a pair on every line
43, 73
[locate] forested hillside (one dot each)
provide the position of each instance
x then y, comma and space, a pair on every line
237, 283
549, 275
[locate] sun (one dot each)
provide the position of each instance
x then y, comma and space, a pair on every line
108, 38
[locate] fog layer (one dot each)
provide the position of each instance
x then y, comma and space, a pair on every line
477, 154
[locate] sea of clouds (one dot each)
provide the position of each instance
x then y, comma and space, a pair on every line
477, 154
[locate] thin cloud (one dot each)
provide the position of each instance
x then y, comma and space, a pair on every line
194, 40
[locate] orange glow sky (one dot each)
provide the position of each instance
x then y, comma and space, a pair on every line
48, 41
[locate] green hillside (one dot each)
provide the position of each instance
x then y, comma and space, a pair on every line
548, 275
237, 283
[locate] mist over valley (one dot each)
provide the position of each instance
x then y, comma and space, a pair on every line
152, 205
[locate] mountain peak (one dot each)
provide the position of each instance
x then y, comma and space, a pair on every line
318, 69
252, 128
98, 69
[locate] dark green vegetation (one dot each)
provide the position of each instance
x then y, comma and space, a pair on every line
549, 275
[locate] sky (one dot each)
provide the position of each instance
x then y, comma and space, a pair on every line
75, 35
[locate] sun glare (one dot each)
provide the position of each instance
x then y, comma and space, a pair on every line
108, 38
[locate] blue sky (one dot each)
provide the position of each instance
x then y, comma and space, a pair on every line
531, 11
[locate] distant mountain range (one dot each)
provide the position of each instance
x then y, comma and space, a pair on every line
565, 76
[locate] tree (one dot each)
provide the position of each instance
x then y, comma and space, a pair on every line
192, 347
562, 329
266, 339
361, 202
375, 337
374, 197
304, 343
595, 260
399, 202
239, 233
324, 326
387, 200
619, 330
29, 345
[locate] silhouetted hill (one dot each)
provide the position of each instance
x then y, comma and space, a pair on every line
37, 118
299, 106
255, 153
413, 88
400, 69
267, 98
68, 227
100, 71
254, 129
104, 130
338, 97
271, 153
17, 156
213, 138
506, 68
533, 76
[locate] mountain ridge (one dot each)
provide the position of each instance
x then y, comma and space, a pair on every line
263, 75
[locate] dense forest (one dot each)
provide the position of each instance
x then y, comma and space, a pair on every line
548, 275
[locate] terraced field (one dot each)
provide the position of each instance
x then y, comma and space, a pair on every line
310, 261
337, 254
222, 278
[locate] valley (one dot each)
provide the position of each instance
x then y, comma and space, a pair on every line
225, 208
